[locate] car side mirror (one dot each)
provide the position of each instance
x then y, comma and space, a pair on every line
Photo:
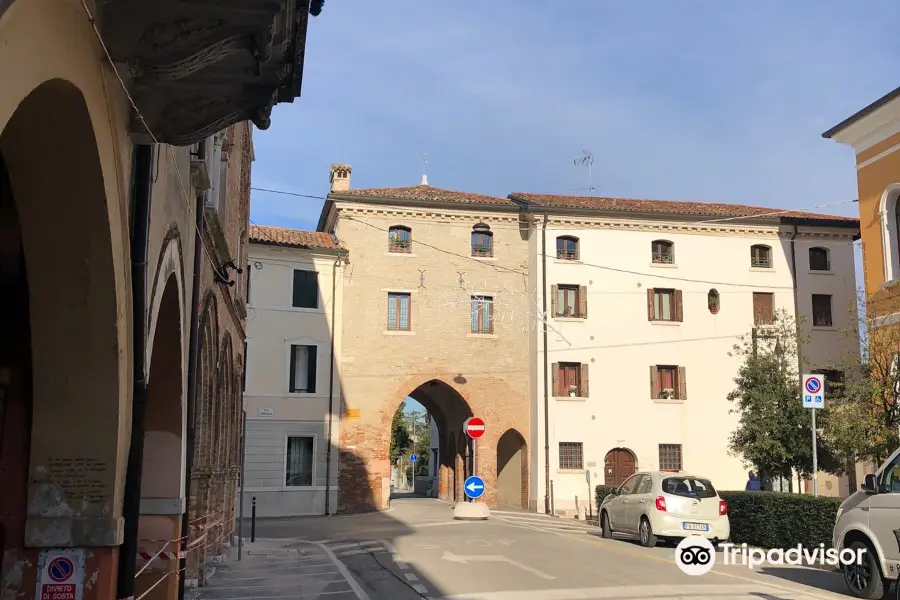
869, 485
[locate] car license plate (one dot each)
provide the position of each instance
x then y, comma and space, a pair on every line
695, 526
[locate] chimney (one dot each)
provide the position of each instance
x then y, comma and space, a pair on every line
340, 178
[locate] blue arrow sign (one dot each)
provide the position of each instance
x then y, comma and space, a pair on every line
474, 487
413, 457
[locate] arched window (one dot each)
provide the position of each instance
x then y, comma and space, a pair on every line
819, 259
663, 252
712, 301
567, 247
760, 256
889, 212
482, 240
399, 239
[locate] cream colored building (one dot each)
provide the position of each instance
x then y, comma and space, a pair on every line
436, 287
643, 296
292, 388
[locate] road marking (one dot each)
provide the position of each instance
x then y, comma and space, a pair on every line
449, 556
351, 581
421, 589
442, 523
619, 547
669, 592
411, 577
349, 545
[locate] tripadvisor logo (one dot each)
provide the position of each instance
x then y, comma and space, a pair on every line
696, 555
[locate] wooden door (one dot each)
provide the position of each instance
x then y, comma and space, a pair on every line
620, 465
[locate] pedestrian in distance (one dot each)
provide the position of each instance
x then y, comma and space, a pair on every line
752, 482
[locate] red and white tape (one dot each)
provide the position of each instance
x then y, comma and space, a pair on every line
161, 555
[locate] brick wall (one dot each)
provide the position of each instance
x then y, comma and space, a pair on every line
216, 463
485, 374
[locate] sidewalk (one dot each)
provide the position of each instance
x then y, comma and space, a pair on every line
275, 569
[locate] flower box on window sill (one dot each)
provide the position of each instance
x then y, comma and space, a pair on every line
667, 394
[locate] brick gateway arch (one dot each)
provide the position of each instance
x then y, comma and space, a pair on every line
364, 470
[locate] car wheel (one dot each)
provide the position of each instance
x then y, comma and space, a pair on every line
864, 579
648, 540
605, 529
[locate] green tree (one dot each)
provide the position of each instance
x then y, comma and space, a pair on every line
400, 437
773, 433
867, 399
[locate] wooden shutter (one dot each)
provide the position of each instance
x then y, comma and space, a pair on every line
553, 289
554, 373
311, 352
679, 314
244, 373
247, 275
582, 301
654, 382
584, 391
682, 383
649, 304
291, 369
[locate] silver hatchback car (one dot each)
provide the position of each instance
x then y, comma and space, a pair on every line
665, 505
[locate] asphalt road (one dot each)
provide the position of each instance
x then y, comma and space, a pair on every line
416, 550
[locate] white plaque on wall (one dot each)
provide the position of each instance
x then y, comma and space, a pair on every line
267, 412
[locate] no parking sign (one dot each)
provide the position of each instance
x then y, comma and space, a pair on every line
813, 391
61, 575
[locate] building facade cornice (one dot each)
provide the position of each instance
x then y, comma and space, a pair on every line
871, 129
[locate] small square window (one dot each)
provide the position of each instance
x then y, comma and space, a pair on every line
670, 457
821, 309
571, 456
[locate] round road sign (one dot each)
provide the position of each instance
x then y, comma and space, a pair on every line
60, 569
474, 427
812, 386
413, 457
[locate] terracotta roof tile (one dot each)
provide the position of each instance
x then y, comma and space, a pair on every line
425, 193
700, 209
293, 238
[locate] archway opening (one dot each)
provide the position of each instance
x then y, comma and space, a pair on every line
62, 358
512, 470
429, 424
619, 465
162, 502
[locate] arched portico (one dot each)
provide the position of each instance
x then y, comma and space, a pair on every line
512, 470
63, 333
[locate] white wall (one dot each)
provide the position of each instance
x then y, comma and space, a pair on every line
273, 325
619, 344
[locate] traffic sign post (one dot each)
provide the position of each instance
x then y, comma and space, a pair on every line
813, 393
413, 458
474, 487
474, 428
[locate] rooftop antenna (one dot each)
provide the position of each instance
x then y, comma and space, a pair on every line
587, 161
424, 169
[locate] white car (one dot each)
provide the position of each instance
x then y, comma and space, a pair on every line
664, 505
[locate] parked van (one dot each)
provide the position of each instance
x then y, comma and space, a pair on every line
870, 520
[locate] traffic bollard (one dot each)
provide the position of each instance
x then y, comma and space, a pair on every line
253, 521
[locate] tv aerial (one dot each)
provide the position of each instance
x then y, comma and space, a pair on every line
587, 160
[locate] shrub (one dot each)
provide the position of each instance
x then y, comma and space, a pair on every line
780, 520
601, 492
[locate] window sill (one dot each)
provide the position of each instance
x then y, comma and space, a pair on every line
812, 272
567, 261
570, 319
762, 269
485, 258
663, 265
824, 328
668, 401
397, 332
410, 254
665, 323
571, 398
304, 309
301, 395
490, 336
570, 471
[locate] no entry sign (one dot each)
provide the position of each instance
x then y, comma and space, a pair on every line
474, 427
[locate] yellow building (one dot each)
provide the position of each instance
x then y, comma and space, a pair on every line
874, 135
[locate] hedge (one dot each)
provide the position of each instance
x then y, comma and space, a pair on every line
601, 492
773, 519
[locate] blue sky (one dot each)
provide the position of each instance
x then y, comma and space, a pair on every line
694, 100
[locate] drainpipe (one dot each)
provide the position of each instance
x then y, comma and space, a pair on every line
193, 358
331, 387
546, 370
141, 193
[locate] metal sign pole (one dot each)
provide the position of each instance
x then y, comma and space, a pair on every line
815, 457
